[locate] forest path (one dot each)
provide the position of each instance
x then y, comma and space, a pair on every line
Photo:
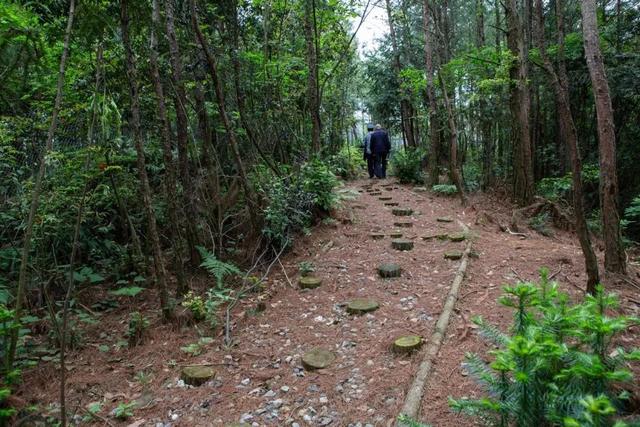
260, 379
264, 381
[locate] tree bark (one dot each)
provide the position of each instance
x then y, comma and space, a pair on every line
167, 154
35, 196
405, 107
220, 99
434, 127
182, 124
520, 104
614, 256
454, 167
313, 90
569, 134
145, 189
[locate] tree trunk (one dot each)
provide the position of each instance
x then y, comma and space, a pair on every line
170, 174
145, 190
520, 104
220, 99
454, 168
614, 256
569, 134
405, 107
182, 124
35, 196
313, 90
434, 141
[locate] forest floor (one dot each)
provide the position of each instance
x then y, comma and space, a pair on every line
260, 379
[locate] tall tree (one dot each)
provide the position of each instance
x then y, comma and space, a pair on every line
405, 107
434, 127
569, 134
222, 109
182, 127
145, 189
313, 85
36, 192
614, 256
520, 105
167, 152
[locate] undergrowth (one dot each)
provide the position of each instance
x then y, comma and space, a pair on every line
407, 166
557, 365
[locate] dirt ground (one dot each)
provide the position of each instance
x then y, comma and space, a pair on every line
260, 379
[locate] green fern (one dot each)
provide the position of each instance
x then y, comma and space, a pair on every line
217, 268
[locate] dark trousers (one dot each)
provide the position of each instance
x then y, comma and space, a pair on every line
370, 165
380, 165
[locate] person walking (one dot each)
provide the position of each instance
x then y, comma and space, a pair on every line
380, 148
367, 150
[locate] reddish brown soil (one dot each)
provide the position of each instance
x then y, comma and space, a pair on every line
367, 382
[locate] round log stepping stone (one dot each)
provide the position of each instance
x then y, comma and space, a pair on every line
407, 344
402, 244
309, 282
453, 255
384, 198
395, 234
317, 358
420, 189
444, 219
197, 375
377, 193
402, 211
391, 204
362, 305
404, 224
389, 270
376, 236
456, 237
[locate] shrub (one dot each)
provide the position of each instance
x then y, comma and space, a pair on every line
293, 200
407, 165
195, 304
557, 366
348, 162
446, 189
138, 325
318, 180
555, 188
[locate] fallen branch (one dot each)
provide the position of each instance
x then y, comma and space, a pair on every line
521, 235
517, 275
556, 273
415, 394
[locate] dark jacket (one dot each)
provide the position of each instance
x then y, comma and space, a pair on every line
380, 143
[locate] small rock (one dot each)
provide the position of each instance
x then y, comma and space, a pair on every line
245, 381
277, 403
324, 400
284, 388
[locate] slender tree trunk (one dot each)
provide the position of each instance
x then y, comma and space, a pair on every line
405, 107
313, 93
220, 99
520, 104
454, 167
145, 189
170, 175
569, 134
434, 126
35, 196
182, 125
614, 256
